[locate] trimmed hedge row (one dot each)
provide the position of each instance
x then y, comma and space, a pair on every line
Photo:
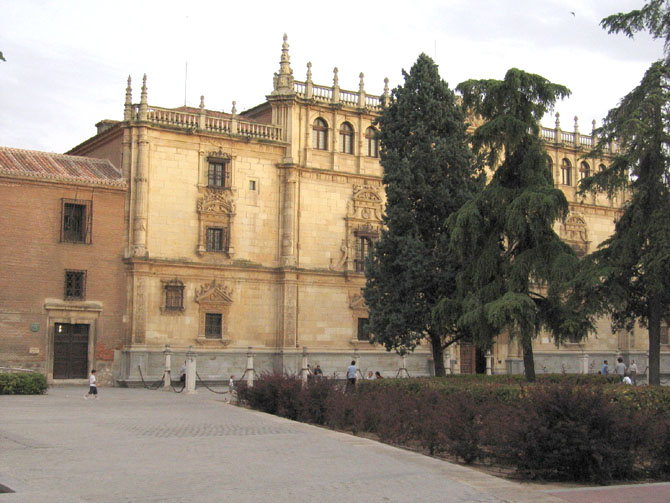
26, 383
549, 431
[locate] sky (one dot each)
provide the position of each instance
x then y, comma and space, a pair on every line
67, 61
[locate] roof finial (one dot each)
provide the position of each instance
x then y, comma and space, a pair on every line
202, 102
309, 71
129, 92
234, 109
285, 76
576, 124
558, 121
361, 86
143, 96
336, 80
593, 126
386, 100
128, 107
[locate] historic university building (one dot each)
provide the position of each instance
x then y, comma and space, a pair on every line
249, 229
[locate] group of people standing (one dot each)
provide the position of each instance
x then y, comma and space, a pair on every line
628, 375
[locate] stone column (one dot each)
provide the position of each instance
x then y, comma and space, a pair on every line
403, 366
167, 373
489, 362
584, 363
288, 218
190, 370
250, 368
141, 178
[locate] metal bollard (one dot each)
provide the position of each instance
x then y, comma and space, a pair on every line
585, 363
190, 370
167, 375
250, 368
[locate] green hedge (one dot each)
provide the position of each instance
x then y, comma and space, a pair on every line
27, 383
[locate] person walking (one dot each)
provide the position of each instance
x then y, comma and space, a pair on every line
620, 368
352, 370
605, 368
632, 370
92, 386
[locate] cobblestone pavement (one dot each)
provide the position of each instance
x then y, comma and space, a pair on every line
140, 446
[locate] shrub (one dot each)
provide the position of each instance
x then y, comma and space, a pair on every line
274, 393
571, 433
27, 383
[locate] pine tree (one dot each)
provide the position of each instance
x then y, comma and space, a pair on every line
630, 272
428, 174
653, 17
516, 268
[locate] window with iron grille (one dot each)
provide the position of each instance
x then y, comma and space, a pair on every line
216, 239
363, 247
213, 324
75, 285
372, 142
76, 220
174, 296
363, 330
219, 173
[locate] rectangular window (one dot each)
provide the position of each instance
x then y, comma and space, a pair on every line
363, 247
174, 296
213, 324
216, 239
252, 184
75, 285
219, 173
76, 218
363, 331
664, 333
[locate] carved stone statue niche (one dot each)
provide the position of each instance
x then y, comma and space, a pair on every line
575, 233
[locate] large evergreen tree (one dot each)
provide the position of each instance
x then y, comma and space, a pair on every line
630, 272
428, 174
516, 268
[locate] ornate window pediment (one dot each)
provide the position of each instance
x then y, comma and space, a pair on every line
214, 293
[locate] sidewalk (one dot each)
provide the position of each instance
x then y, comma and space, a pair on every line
140, 446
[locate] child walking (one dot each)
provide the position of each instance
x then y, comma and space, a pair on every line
92, 386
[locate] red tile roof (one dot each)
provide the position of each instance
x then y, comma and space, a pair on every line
59, 167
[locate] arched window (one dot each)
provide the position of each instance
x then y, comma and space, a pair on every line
584, 170
346, 138
602, 167
371, 142
320, 134
566, 172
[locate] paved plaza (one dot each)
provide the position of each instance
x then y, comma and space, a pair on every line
141, 446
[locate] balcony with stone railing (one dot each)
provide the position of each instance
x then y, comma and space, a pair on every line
573, 138
198, 119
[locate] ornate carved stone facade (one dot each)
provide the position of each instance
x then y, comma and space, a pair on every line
300, 206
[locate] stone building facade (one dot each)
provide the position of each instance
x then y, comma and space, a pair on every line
250, 229
63, 290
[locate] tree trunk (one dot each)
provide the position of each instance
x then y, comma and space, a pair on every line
438, 355
655, 315
528, 359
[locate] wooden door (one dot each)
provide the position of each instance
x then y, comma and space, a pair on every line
70, 351
467, 358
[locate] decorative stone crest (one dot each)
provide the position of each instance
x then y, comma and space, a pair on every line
575, 233
216, 202
214, 293
357, 302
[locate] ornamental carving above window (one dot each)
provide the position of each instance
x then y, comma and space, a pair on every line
216, 210
363, 227
214, 300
